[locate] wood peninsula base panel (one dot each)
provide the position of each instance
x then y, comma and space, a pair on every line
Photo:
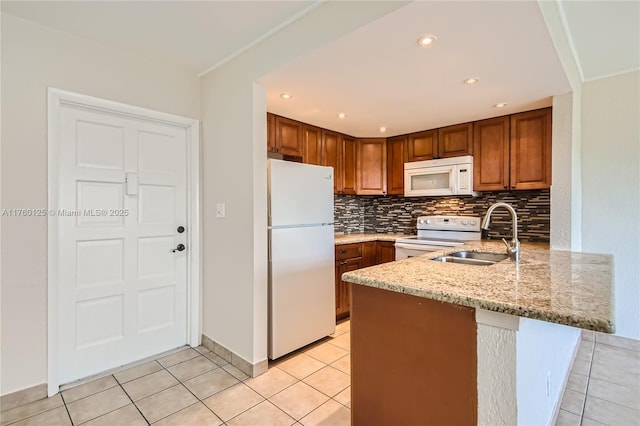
413, 360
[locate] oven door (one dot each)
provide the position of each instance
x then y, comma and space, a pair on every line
405, 251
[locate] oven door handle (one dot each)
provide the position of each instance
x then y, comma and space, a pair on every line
415, 247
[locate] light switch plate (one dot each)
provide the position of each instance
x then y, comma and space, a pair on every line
221, 210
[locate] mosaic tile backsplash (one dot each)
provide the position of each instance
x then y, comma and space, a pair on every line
396, 214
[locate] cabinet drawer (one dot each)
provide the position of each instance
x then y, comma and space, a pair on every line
347, 251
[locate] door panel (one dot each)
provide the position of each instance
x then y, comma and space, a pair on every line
301, 287
122, 291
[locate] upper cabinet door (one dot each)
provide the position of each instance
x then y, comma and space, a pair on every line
289, 137
348, 161
271, 133
331, 156
454, 141
491, 158
422, 145
531, 150
396, 157
371, 166
312, 143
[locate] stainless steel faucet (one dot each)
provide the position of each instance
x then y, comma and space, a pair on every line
513, 248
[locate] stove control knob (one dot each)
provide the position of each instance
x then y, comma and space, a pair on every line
464, 222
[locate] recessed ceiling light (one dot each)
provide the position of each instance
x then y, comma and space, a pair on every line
500, 105
342, 116
472, 80
286, 95
426, 40
382, 129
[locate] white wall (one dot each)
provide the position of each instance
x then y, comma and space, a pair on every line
561, 200
497, 374
605, 181
234, 172
611, 186
566, 187
33, 58
544, 349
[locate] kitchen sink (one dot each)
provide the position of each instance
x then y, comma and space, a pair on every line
479, 255
472, 258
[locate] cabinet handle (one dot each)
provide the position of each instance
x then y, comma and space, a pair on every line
513, 187
343, 251
506, 186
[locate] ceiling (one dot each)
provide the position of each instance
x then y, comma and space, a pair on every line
377, 75
198, 35
605, 36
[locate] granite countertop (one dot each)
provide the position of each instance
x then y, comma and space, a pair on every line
563, 287
363, 238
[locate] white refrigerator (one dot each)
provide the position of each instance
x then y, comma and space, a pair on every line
301, 255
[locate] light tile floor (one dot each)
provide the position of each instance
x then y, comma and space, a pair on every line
604, 383
197, 387
309, 387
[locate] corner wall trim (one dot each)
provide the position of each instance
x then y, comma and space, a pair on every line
497, 319
252, 370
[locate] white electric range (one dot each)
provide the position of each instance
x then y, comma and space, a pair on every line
438, 233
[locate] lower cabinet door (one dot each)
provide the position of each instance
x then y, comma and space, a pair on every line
343, 288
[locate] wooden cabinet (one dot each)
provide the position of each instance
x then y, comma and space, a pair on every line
371, 166
331, 148
513, 152
289, 137
531, 150
347, 184
271, 132
350, 257
491, 159
369, 254
312, 144
510, 153
343, 288
455, 141
396, 157
422, 145
385, 252
451, 141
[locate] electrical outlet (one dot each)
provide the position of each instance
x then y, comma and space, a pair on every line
221, 210
548, 383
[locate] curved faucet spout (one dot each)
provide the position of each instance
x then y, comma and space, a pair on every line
513, 249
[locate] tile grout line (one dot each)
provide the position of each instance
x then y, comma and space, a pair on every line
586, 392
198, 400
132, 401
36, 414
67, 410
108, 412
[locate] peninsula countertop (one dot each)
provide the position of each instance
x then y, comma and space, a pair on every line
563, 287
365, 237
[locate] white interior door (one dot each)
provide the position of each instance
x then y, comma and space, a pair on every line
122, 290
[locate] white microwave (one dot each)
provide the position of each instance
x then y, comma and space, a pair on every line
446, 176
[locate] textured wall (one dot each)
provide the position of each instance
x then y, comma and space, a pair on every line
497, 403
395, 214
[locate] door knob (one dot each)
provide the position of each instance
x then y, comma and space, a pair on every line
180, 229
180, 247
